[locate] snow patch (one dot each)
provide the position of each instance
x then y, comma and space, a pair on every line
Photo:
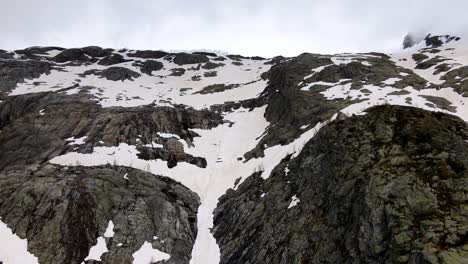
14, 250
294, 202
147, 254
76, 141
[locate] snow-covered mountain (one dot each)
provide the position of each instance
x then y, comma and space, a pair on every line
139, 156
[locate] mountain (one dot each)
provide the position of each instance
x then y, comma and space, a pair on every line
147, 156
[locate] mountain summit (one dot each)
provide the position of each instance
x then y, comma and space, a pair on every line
148, 156
412, 39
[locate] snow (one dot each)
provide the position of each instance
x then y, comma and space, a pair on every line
155, 145
76, 141
458, 57
109, 230
96, 251
14, 250
294, 202
147, 254
125, 176
216, 143
381, 95
167, 135
391, 81
161, 88
309, 85
41, 112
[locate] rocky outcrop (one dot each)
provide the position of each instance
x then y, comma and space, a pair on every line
386, 187
112, 59
148, 54
187, 58
13, 72
113, 73
148, 66
48, 119
86, 54
62, 211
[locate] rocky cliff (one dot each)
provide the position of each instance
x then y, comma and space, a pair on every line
140, 156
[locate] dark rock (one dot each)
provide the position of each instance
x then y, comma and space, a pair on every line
112, 59
440, 102
114, 73
210, 54
148, 54
217, 88
95, 51
177, 72
236, 57
30, 138
210, 74
4, 55
16, 71
62, 211
211, 65
418, 57
148, 66
437, 41
386, 187
430, 62
456, 79
72, 55
187, 58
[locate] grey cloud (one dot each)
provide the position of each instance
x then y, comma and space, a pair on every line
258, 27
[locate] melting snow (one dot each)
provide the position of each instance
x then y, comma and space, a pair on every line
76, 141
109, 230
96, 251
147, 254
294, 202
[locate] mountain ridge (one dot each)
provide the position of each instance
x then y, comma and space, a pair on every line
214, 127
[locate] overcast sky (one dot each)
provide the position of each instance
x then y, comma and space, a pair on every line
250, 27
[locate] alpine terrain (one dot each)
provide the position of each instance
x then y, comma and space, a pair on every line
146, 156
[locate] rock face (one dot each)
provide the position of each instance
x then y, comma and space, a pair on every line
386, 187
55, 208
50, 119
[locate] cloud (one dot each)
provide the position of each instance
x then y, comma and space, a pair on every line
262, 27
